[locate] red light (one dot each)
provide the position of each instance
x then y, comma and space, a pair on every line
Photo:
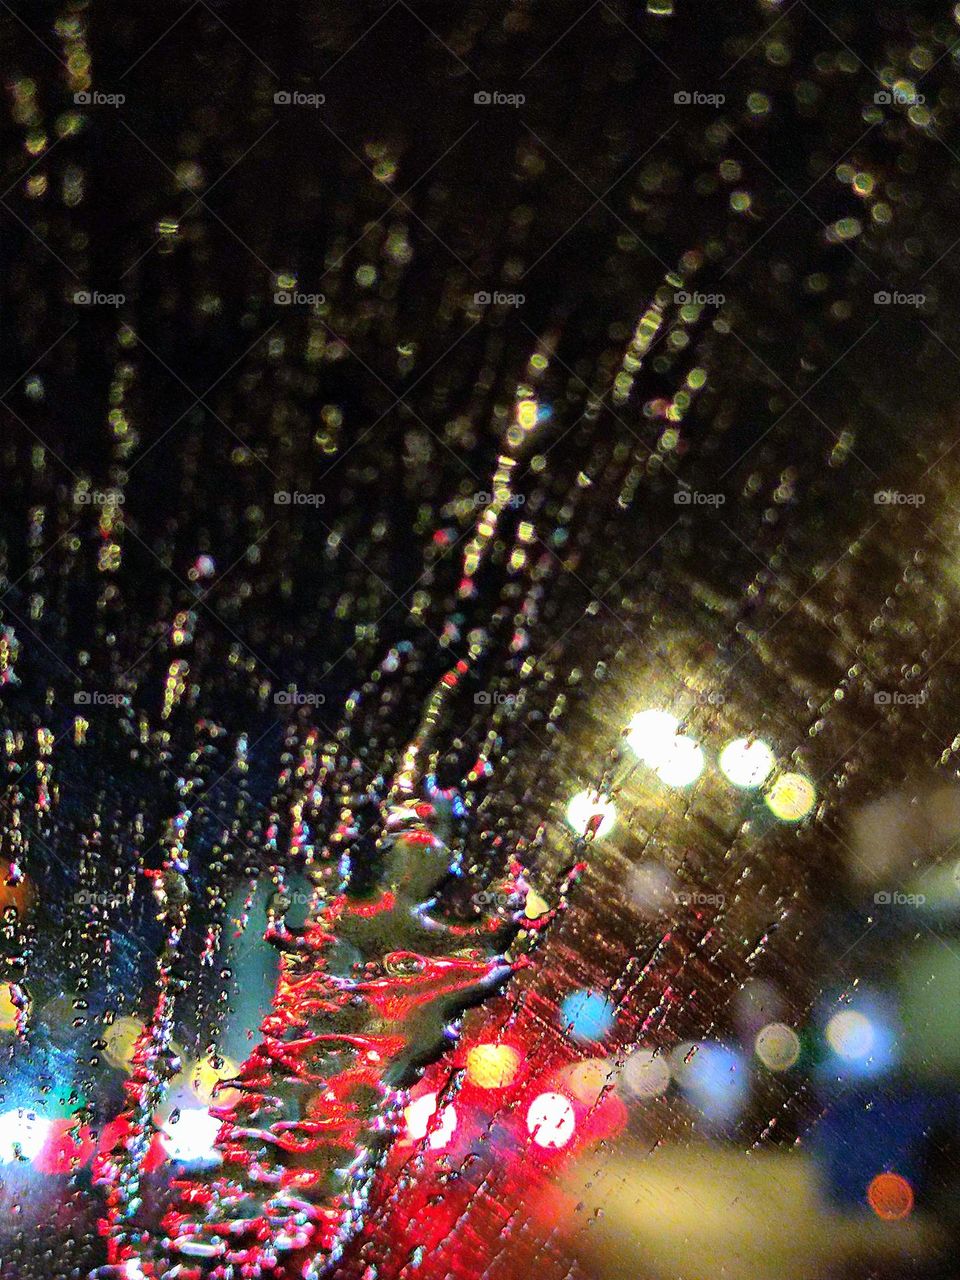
67, 1148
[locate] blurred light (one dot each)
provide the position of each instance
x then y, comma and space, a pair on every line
121, 1038
645, 1074
492, 1066
863, 1036
777, 1046
651, 889
586, 1081
419, 1119
791, 797
534, 906
746, 762
68, 1146
191, 1136
650, 733
714, 1078
588, 1014
757, 1003
890, 1196
8, 1010
551, 1120
850, 1034
588, 805
22, 1134
203, 1079
681, 763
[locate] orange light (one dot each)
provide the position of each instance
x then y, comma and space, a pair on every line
890, 1196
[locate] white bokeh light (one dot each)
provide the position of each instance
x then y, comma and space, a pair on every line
419, 1119
682, 762
22, 1134
551, 1120
746, 762
588, 804
191, 1136
649, 734
645, 1074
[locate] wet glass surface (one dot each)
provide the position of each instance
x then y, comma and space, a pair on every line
478, 610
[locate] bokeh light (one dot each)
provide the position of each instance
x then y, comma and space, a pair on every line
492, 1066
746, 762
681, 762
67, 1147
22, 1135
551, 1120
586, 1081
650, 734
645, 1074
850, 1034
777, 1046
588, 1015
8, 1010
589, 806
862, 1036
890, 1196
419, 1121
791, 797
189, 1135
651, 888
713, 1077
203, 1078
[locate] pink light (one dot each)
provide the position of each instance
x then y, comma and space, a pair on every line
551, 1120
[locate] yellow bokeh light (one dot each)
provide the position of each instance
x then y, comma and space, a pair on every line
791, 797
492, 1066
527, 412
8, 1010
203, 1079
777, 1046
